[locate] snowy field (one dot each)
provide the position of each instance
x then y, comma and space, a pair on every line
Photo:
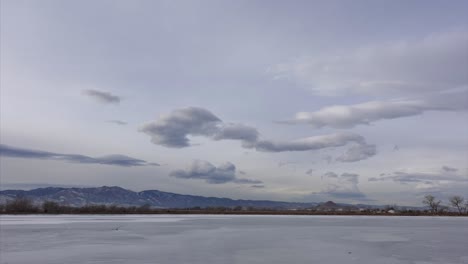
208, 239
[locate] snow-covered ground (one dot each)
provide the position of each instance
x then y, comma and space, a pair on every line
208, 239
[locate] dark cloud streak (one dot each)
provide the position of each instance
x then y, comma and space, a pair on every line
103, 97
118, 122
114, 160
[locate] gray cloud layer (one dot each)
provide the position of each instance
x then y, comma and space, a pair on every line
360, 150
434, 63
357, 152
172, 130
347, 116
443, 182
340, 186
103, 97
204, 170
310, 143
444, 174
449, 169
115, 159
344, 186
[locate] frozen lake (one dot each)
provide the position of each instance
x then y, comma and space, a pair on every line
208, 239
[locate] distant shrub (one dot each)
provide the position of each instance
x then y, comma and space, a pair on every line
50, 207
20, 205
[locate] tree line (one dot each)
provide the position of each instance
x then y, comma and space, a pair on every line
24, 205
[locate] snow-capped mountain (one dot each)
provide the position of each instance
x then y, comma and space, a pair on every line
119, 196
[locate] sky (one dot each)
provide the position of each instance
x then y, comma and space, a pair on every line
350, 101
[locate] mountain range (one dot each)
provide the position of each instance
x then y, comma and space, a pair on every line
119, 196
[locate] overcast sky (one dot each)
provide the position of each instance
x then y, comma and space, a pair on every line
350, 101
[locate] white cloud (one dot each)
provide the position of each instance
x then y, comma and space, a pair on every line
348, 116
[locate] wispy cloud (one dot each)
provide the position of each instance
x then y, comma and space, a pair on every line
431, 64
204, 170
117, 122
115, 159
442, 182
445, 173
449, 169
102, 97
258, 186
348, 116
359, 149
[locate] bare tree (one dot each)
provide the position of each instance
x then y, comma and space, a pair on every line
432, 203
20, 205
457, 202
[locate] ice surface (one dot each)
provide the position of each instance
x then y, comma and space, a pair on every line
222, 239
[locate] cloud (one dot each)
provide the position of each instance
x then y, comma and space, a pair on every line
103, 97
246, 181
286, 163
340, 186
117, 122
310, 143
434, 63
358, 152
344, 186
258, 186
204, 170
348, 116
444, 174
350, 177
248, 135
115, 160
442, 182
329, 175
328, 159
347, 195
449, 169
173, 130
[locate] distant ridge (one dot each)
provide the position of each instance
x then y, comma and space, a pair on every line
119, 196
